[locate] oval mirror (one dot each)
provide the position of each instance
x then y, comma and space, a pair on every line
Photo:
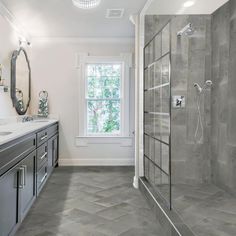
20, 81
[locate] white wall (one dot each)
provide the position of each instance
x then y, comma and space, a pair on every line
54, 69
170, 7
9, 42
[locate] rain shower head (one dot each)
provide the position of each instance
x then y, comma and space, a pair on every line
187, 30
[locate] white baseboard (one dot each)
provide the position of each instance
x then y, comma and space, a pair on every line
96, 162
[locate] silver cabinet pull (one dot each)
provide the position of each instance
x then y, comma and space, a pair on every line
44, 177
25, 174
43, 156
44, 137
21, 181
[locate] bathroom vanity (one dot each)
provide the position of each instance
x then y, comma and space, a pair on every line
28, 154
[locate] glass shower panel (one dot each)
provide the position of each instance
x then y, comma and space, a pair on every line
151, 75
146, 167
147, 123
157, 100
165, 158
152, 126
157, 153
165, 128
157, 114
146, 79
166, 39
157, 127
147, 101
157, 73
165, 69
146, 145
157, 44
151, 52
152, 149
165, 98
162, 184
151, 172
146, 56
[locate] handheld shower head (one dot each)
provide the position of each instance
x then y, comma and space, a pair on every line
198, 87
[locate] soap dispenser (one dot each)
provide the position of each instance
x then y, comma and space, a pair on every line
43, 104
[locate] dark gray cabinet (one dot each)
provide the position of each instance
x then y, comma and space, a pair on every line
9, 202
50, 155
17, 194
27, 190
25, 165
55, 150
42, 175
52, 152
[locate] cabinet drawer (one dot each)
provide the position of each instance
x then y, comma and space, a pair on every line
12, 153
42, 137
45, 134
41, 177
52, 130
42, 155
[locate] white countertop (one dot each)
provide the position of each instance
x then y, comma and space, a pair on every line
20, 129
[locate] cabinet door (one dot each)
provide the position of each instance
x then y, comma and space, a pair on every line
55, 150
8, 202
50, 154
27, 175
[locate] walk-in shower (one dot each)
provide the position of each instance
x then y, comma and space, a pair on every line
189, 151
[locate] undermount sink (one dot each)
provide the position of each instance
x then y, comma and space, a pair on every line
5, 133
39, 121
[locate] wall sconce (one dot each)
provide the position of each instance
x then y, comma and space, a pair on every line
3, 88
24, 42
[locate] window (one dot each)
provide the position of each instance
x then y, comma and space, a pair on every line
103, 98
104, 109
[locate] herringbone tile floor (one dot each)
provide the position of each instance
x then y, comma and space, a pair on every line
90, 201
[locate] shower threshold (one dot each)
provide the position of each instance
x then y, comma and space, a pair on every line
197, 210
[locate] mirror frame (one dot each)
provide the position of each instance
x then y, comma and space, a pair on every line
14, 57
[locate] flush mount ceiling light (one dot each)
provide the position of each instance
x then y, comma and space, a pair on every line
86, 4
189, 3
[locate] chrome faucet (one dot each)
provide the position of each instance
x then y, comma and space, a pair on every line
27, 119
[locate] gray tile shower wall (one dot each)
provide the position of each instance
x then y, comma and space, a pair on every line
190, 63
153, 24
223, 132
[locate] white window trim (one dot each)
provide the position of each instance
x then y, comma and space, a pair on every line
82, 60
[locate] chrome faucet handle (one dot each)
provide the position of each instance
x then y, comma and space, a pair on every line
27, 119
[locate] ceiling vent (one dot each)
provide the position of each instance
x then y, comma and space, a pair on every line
115, 13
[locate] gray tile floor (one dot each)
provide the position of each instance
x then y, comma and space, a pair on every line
206, 209
90, 201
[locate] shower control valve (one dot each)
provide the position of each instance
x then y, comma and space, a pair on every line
178, 101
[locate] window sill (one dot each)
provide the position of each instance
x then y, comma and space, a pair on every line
84, 141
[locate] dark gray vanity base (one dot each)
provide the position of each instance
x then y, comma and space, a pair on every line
168, 219
25, 165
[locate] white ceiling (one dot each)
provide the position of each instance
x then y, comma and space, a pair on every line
59, 18
172, 7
